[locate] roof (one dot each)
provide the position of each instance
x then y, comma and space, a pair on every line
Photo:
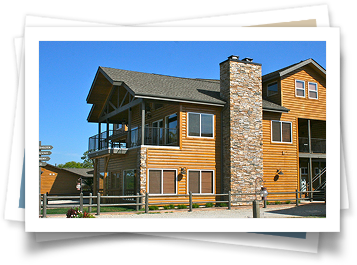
81, 172
286, 70
167, 87
194, 90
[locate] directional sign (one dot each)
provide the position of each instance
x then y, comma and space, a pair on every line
46, 147
43, 164
44, 158
45, 153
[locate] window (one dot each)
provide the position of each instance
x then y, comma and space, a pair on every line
313, 90
114, 180
281, 132
304, 171
129, 177
162, 181
200, 125
300, 88
200, 181
272, 89
171, 129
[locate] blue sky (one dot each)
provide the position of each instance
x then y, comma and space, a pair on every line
67, 70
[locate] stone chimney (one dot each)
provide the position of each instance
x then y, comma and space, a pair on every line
241, 88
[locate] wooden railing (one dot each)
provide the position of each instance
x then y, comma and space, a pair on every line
228, 198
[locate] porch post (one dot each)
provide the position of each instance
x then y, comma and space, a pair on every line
99, 134
129, 128
143, 122
107, 140
310, 160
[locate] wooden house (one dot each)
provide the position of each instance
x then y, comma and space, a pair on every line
168, 135
63, 181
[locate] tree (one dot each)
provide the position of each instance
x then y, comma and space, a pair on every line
71, 164
87, 163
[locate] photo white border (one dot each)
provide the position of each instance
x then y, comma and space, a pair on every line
35, 34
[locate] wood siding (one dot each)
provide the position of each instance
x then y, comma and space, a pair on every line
56, 181
285, 156
193, 153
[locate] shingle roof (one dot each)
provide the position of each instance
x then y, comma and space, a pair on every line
170, 87
84, 172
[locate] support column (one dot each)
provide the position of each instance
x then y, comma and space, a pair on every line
129, 128
107, 140
99, 135
310, 159
143, 122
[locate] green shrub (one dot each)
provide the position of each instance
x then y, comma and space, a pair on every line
195, 205
181, 206
75, 213
166, 207
209, 204
172, 206
153, 207
268, 202
277, 202
222, 204
288, 202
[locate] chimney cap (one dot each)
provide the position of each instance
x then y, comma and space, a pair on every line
233, 57
247, 59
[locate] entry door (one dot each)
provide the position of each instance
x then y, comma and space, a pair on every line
157, 132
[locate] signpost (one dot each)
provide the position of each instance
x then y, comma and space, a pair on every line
43, 164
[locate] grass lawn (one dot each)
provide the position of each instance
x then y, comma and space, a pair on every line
94, 210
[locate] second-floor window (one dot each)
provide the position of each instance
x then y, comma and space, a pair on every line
281, 132
300, 88
313, 90
272, 89
200, 125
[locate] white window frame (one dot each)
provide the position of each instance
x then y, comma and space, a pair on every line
188, 125
275, 93
317, 90
200, 170
162, 182
281, 132
296, 95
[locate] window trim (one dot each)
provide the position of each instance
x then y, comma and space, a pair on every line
200, 170
188, 125
296, 95
281, 132
162, 182
308, 90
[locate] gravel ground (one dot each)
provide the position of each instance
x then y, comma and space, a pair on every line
315, 209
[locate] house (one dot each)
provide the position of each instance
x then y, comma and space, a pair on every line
169, 135
63, 181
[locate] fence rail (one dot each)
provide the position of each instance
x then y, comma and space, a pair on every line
44, 199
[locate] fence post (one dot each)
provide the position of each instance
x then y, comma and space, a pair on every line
297, 197
40, 206
90, 203
190, 198
98, 203
44, 205
229, 200
81, 202
137, 202
256, 209
146, 202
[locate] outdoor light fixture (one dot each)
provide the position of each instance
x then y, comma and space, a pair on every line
277, 174
264, 195
183, 170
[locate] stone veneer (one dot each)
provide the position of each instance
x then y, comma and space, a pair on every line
241, 88
142, 156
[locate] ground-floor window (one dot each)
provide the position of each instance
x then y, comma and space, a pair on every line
201, 181
129, 177
162, 181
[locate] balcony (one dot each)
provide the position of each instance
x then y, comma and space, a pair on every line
317, 145
117, 141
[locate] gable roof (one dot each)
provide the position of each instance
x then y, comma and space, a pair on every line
286, 70
171, 88
145, 85
81, 172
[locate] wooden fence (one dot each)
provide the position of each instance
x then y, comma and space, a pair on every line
44, 200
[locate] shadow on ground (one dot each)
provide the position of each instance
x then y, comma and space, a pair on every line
306, 210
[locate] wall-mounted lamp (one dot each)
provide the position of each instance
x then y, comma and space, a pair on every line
277, 174
183, 171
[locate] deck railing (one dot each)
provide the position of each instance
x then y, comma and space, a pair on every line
153, 136
317, 145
